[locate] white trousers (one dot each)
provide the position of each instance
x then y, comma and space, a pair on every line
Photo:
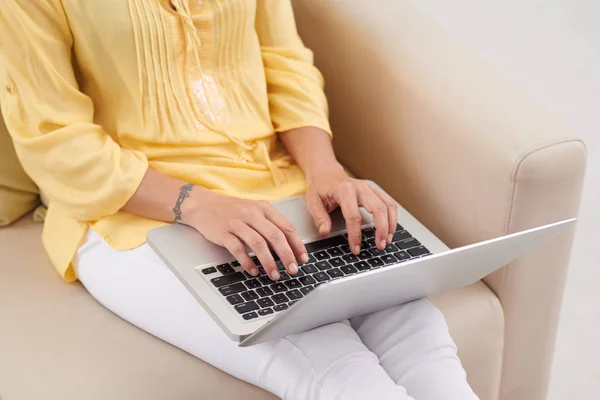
404, 352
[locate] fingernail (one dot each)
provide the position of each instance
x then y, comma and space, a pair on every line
322, 229
274, 274
304, 258
356, 249
382, 244
293, 268
390, 238
254, 272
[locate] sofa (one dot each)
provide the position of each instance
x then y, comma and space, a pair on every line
462, 148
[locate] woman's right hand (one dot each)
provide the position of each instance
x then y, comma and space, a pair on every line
234, 223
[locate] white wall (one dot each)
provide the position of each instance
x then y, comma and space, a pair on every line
552, 48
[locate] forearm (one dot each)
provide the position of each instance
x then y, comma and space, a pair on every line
312, 149
158, 195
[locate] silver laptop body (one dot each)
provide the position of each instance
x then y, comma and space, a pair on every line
187, 253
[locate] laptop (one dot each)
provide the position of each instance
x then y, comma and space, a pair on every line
334, 284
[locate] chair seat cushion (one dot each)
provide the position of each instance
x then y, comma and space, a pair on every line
57, 342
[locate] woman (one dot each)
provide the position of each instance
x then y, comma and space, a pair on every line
130, 114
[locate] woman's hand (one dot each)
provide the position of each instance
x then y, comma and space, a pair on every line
234, 223
328, 190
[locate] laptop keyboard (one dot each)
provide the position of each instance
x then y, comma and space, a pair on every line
329, 259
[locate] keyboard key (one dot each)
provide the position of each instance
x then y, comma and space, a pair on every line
228, 279
345, 248
402, 255
256, 261
309, 268
376, 252
350, 258
390, 248
311, 258
293, 284
208, 271
250, 295
291, 303
362, 266
321, 276
265, 280
280, 298
235, 264
364, 255
368, 242
321, 255
284, 276
348, 269
323, 265
369, 233
264, 291
335, 273
265, 302
418, 251
399, 227
232, 289
326, 244
280, 307
407, 243
279, 287
307, 280
280, 266
265, 311
251, 315
226, 270
298, 274
294, 295
375, 262
401, 235
252, 284
306, 290
389, 259
246, 307
337, 262
235, 299
335, 252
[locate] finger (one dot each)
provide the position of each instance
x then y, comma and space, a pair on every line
277, 241
320, 215
392, 213
238, 251
289, 230
374, 205
259, 247
347, 200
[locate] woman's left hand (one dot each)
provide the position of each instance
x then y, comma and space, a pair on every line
328, 190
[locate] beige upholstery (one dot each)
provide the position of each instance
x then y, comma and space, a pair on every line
472, 158
459, 147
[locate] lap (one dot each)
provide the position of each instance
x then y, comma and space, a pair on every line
371, 353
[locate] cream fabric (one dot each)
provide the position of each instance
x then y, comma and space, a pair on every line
473, 156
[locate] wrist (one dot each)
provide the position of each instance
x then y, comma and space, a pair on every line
196, 204
323, 168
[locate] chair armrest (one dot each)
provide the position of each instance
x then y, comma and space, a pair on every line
464, 150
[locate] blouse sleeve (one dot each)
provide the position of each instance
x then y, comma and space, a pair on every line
77, 165
294, 84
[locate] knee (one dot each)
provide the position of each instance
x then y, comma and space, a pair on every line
427, 316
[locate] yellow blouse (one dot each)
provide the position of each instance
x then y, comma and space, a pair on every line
97, 91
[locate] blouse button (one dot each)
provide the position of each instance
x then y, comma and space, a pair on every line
11, 88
